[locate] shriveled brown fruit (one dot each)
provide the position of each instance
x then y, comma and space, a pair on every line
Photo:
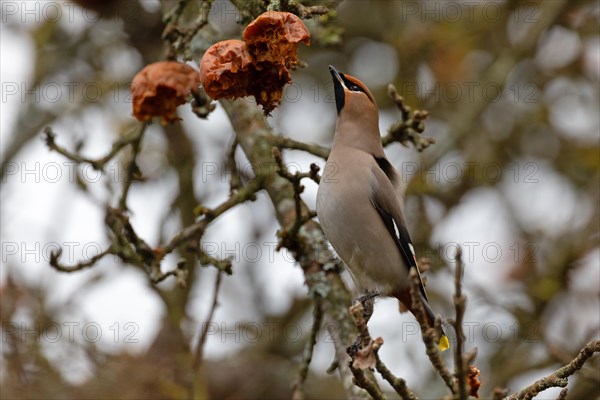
266, 85
160, 87
260, 65
272, 39
225, 70
274, 36
473, 381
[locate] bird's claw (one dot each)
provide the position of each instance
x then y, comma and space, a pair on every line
368, 304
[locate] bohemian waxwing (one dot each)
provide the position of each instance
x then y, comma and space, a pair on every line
359, 201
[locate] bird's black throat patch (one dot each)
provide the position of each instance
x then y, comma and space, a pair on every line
338, 91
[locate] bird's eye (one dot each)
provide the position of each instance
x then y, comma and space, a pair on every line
355, 88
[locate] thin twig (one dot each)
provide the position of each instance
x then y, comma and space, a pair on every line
55, 257
98, 163
428, 332
179, 272
361, 380
304, 12
398, 384
410, 127
223, 265
289, 235
287, 143
563, 394
307, 354
129, 246
460, 301
195, 231
564, 358
179, 38
132, 171
235, 182
200, 22
558, 378
199, 352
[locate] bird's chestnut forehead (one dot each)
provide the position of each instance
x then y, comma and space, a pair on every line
351, 79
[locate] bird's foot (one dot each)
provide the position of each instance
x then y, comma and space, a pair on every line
354, 347
368, 304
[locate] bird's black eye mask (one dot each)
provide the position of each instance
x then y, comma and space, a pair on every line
351, 85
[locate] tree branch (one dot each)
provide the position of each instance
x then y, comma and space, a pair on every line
287, 143
99, 163
398, 384
365, 354
410, 127
318, 263
132, 172
195, 231
563, 394
55, 257
289, 235
179, 38
304, 12
361, 380
558, 378
307, 353
199, 352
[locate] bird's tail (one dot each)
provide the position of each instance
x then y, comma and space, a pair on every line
443, 343
406, 304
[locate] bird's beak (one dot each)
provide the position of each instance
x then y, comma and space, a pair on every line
338, 88
336, 75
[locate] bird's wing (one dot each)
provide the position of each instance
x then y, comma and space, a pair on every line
383, 198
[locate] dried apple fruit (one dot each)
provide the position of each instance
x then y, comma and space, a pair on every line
266, 85
225, 70
160, 88
274, 36
260, 65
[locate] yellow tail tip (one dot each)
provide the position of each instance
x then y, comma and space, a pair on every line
444, 344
